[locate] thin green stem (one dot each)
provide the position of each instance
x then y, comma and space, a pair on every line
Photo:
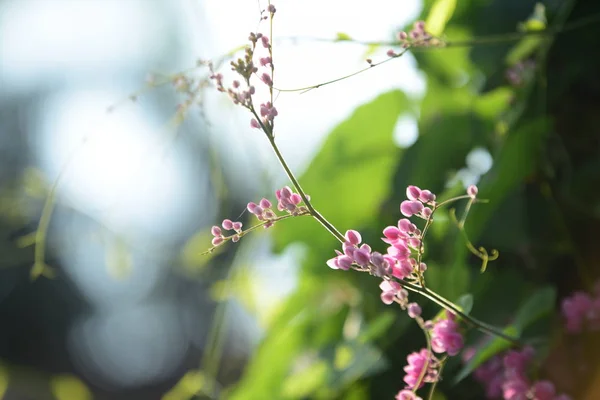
371, 66
326, 224
254, 227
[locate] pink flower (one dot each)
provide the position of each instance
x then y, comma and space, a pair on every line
413, 193
406, 226
407, 395
445, 337
266, 78
340, 262
409, 208
402, 269
265, 41
353, 237
389, 289
254, 124
472, 191
227, 224
543, 390
574, 309
515, 389
416, 363
414, 310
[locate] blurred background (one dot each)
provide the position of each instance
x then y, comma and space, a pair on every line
117, 158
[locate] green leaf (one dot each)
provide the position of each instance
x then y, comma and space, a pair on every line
366, 360
493, 103
350, 176
523, 49
541, 303
465, 303
306, 381
439, 15
377, 327
341, 36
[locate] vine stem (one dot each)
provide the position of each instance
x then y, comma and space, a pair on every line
317, 215
436, 298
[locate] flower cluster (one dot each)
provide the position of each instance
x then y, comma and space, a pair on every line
505, 376
446, 336
422, 368
405, 238
416, 37
287, 201
355, 254
263, 212
581, 311
407, 395
247, 68
227, 225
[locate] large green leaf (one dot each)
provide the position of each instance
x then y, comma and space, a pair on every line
350, 176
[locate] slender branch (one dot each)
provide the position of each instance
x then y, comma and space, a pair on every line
332, 229
318, 85
254, 227
482, 40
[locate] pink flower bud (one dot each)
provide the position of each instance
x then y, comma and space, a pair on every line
427, 212
349, 249
236, 84
353, 237
420, 25
399, 251
406, 394
543, 390
217, 240
402, 36
265, 41
388, 297
254, 124
426, 196
406, 226
237, 226
333, 263
216, 231
266, 78
472, 191
409, 208
271, 9
402, 269
295, 198
265, 203
235, 238
414, 310
362, 257
391, 53
227, 224
414, 243
286, 192
344, 262
413, 192
392, 234
423, 267
252, 208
